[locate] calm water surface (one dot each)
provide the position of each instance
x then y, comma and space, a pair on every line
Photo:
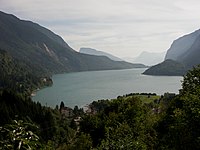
82, 88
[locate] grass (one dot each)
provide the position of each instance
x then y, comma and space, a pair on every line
147, 98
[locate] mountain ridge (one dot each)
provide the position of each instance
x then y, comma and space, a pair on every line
184, 51
181, 45
91, 51
168, 68
29, 41
43, 53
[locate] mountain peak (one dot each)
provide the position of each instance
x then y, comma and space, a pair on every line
148, 58
182, 45
186, 49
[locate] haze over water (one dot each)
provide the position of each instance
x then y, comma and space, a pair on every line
82, 88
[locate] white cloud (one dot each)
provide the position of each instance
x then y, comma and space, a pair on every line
122, 27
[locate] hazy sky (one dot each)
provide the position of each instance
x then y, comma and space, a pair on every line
124, 28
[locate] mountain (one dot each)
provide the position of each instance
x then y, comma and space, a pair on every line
185, 51
45, 51
91, 51
168, 68
147, 58
41, 53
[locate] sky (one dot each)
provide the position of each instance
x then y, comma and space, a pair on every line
124, 28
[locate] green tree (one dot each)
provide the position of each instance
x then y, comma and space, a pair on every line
81, 142
179, 128
76, 110
19, 135
121, 137
191, 82
62, 105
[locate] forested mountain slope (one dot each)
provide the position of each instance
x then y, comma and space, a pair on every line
39, 47
29, 53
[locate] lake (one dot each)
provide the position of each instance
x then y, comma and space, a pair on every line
82, 88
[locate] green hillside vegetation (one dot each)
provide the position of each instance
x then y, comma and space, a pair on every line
18, 76
50, 129
168, 68
144, 97
128, 122
148, 98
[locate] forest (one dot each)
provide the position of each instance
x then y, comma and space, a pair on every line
168, 122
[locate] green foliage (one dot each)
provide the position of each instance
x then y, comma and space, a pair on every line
121, 137
94, 126
191, 82
62, 105
78, 111
19, 76
123, 123
127, 123
147, 98
179, 128
51, 126
81, 142
19, 135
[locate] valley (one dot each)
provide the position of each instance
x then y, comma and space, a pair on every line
55, 98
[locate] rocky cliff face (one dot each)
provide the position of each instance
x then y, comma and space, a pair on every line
183, 54
186, 50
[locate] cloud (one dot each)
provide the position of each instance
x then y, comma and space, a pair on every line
122, 27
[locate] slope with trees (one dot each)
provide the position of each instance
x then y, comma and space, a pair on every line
19, 76
170, 122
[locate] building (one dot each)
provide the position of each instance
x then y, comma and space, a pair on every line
66, 112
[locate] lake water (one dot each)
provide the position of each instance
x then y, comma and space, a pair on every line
82, 88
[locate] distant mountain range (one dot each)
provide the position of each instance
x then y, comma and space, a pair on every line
147, 58
184, 51
38, 46
92, 51
44, 53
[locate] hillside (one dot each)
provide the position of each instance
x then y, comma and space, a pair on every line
49, 53
168, 67
132, 121
186, 50
31, 53
92, 51
18, 76
185, 53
